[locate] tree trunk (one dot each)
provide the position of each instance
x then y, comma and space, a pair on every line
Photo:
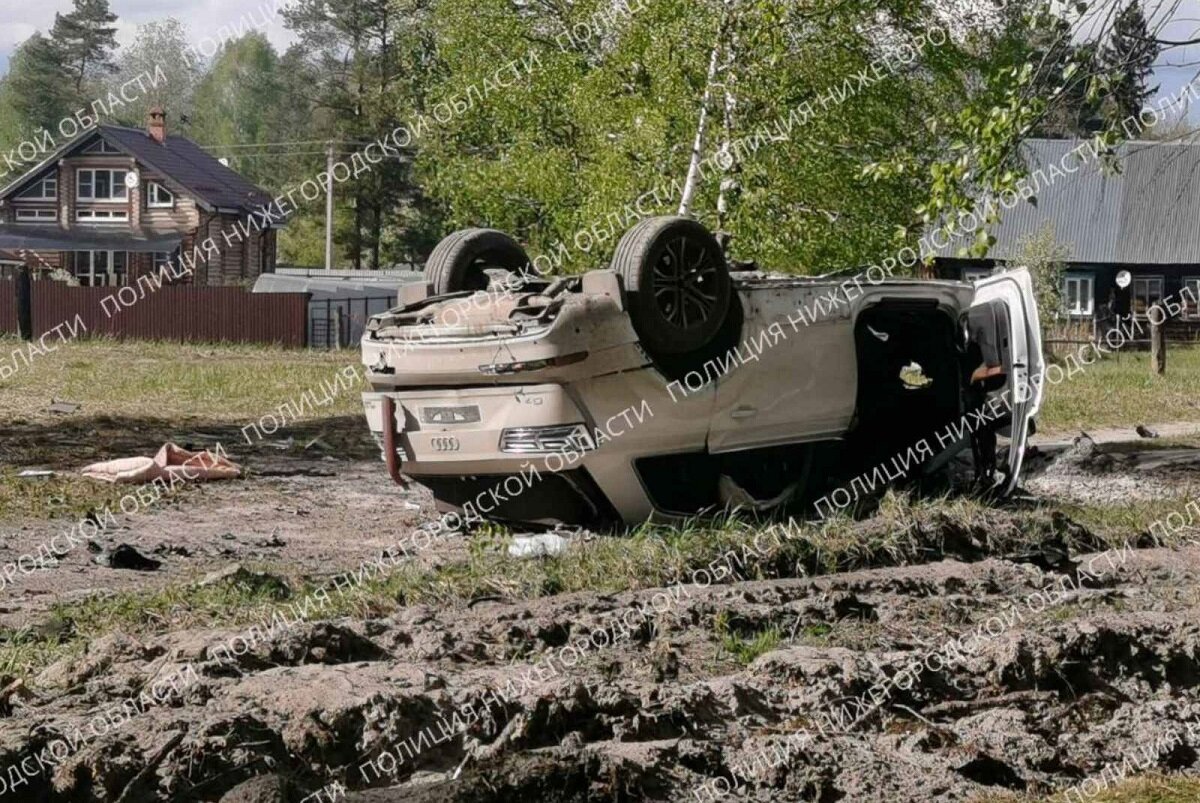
693, 174
358, 230
730, 183
376, 233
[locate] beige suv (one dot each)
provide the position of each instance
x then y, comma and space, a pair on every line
669, 386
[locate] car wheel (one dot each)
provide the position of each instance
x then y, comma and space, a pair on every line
460, 262
677, 283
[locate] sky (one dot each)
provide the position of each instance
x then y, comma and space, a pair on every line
1180, 65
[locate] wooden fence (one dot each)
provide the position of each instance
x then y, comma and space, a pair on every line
8, 307
192, 314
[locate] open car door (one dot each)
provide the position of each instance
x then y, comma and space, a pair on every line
1003, 322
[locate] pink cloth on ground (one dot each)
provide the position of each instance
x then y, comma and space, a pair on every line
189, 466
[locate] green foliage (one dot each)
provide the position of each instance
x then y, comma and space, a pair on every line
837, 147
10, 119
1039, 80
610, 118
1044, 256
50, 77
36, 87
1129, 57
235, 99
84, 39
159, 45
368, 63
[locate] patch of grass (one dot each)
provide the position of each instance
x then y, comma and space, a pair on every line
1129, 518
1148, 789
67, 497
817, 634
742, 647
651, 557
1121, 392
236, 383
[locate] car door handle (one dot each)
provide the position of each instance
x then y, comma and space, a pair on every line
745, 411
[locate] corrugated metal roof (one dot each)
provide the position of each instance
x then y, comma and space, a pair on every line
1146, 214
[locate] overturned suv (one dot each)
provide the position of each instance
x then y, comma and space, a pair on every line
669, 386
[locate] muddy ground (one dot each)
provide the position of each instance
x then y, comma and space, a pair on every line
1042, 703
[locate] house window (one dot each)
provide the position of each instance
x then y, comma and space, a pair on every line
97, 217
158, 196
100, 268
102, 185
37, 215
44, 190
1191, 298
1079, 295
1147, 291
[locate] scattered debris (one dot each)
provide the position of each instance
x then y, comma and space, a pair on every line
274, 542
173, 550
913, 377
14, 690
170, 460
38, 474
538, 546
255, 581
123, 556
302, 471
63, 407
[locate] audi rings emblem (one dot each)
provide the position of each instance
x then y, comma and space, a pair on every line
445, 443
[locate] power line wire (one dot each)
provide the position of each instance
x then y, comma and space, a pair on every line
285, 144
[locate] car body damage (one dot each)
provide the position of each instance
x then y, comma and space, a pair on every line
758, 403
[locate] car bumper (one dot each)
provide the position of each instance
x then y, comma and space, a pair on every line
463, 431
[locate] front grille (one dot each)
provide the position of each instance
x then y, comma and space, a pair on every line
546, 440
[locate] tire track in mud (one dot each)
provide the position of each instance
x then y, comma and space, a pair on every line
1041, 704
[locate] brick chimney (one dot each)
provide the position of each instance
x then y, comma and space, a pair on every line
157, 127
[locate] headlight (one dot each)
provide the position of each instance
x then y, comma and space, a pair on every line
547, 440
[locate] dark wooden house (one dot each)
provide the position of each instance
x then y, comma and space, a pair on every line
1141, 220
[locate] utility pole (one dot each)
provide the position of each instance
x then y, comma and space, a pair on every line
24, 296
329, 207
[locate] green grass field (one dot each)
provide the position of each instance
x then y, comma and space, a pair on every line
1121, 392
215, 383
234, 383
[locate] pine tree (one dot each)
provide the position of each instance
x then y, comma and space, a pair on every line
85, 39
1129, 57
36, 85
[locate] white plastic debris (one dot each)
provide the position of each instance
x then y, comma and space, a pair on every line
537, 546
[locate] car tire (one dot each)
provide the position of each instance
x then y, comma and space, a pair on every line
460, 261
677, 284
